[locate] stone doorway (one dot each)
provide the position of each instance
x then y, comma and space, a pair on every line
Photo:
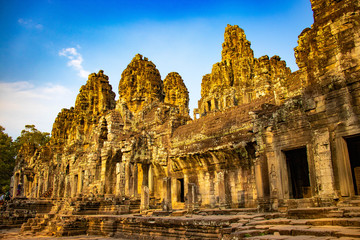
180, 190
353, 145
298, 173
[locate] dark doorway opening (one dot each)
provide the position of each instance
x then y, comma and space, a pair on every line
298, 172
209, 105
181, 190
353, 144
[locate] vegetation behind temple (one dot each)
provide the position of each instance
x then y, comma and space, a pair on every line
9, 150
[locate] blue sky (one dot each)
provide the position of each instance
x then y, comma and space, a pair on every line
47, 47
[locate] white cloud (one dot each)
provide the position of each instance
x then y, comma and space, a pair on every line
23, 103
29, 23
75, 61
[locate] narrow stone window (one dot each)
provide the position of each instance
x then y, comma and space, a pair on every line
298, 173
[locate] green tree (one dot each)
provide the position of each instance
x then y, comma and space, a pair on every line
31, 135
7, 160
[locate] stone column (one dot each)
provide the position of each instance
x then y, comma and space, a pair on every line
191, 200
122, 179
127, 178
75, 186
222, 189
135, 181
145, 168
118, 176
166, 204
26, 186
81, 182
16, 183
145, 198
262, 183
103, 176
67, 187
151, 180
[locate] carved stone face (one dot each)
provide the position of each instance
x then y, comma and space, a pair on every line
140, 84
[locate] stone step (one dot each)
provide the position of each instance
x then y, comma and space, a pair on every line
161, 213
35, 229
313, 213
317, 231
179, 213
351, 211
349, 202
235, 211
278, 221
345, 222
247, 233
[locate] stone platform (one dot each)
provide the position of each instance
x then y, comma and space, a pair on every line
307, 223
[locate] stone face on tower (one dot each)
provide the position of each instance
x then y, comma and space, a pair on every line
140, 84
176, 92
329, 51
235, 45
240, 78
95, 98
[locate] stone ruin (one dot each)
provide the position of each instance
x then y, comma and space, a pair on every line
263, 139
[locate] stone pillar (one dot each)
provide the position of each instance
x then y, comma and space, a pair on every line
75, 184
118, 179
222, 189
321, 166
103, 176
81, 182
259, 181
26, 186
122, 179
135, 181
127, 178
67, 187
55, 186
16, 183
145, 198
166, 204
151, 180
262, 183
145, 180
192, 197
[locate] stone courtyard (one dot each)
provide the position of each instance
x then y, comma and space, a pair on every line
269, 153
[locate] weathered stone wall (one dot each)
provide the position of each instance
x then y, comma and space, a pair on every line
266, 138
327, 111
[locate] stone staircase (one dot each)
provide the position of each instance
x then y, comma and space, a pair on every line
307, 223
68, 217
106, 207
37, 224
17, 211
102, 218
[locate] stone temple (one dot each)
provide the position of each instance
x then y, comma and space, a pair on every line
263, 142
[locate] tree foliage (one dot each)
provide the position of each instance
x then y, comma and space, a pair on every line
7, 160
9, 150
31, 135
